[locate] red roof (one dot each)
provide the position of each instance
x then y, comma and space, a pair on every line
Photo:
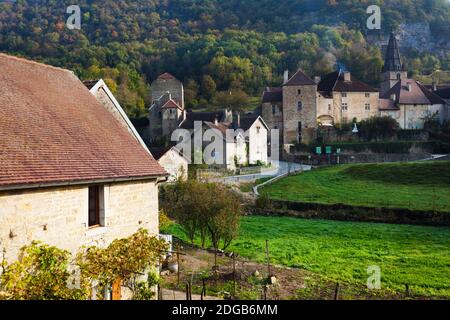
53, 130
166, 76
417, 95
170, 104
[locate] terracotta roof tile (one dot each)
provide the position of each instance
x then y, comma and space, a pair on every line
53, 130
418, 94
170, 104
166, 76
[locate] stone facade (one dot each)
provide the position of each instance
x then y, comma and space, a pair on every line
59, 216
412, 116
299, 113
389, 79
343, 107
162, 120
272, 113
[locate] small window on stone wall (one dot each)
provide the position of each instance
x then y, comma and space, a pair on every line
299, 106
96, 205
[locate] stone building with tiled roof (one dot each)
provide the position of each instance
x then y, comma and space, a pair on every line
167, 110
406, 100
410, 104
301, 105
71, 173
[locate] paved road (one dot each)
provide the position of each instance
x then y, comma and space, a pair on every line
282, 168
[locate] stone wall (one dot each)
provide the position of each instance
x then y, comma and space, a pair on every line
174, 86
59, 216
292, 116
412, 116
356, 106
274, 120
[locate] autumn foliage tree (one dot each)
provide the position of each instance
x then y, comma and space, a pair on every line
211, 211
45, 272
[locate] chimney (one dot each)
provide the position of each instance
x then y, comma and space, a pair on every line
347, 76
393, 97
434, 86
317, 79
236, 120
286, 76
408, 85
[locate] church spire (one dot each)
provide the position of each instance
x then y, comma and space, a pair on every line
392, 61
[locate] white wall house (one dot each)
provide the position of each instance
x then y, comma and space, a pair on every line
173, 161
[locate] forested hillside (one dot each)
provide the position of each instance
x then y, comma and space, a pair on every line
214, 45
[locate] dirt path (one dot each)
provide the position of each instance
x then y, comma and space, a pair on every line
168, 294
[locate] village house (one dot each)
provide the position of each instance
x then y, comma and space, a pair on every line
167, 113
410, 104
73, 173
443, 91
342, 98
406, 100
247, 146
173, 161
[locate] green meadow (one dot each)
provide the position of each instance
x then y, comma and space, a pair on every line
414, 255
417, 185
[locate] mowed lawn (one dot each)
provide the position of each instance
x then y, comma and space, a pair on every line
414, 255
418, 185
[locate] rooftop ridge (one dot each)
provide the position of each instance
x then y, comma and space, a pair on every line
32, 62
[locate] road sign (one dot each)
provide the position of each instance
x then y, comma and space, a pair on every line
318, 150
328, 150
338, 151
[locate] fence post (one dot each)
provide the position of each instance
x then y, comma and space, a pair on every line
336, 291
204, 288
268, 259
187, 291
234, 275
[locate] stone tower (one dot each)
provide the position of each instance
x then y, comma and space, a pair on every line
167, 110
393, 70
299, 109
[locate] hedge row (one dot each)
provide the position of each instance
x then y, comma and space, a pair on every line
355, 213
376, 147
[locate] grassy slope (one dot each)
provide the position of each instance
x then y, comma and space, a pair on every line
413, 255
423, 186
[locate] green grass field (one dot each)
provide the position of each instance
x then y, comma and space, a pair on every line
414, 255
419, 185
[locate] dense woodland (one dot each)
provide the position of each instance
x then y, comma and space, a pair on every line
213, 46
